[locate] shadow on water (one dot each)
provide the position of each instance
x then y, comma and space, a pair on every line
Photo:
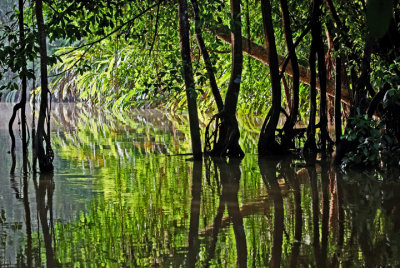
121, 196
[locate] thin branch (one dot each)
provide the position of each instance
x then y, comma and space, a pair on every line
287, 59
114, 31
155, 30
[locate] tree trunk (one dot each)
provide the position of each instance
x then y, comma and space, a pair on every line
323, 118
338, 103
24, 86
267, 143
310, 145
289, 124
45, 157
226, 134
22, 103
258, 52
188, 77
206, 57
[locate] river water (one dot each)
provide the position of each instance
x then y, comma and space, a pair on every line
122, 195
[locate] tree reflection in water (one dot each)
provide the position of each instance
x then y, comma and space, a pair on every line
44, 201
194, 245
152, 208
229, 178
268, 173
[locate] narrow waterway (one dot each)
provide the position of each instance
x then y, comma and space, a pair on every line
123, 195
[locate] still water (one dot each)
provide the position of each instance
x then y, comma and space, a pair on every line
122, 195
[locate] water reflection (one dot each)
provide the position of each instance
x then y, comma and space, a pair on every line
268, 173
44, 201
28, 223
229, 176
121, 196
193, 243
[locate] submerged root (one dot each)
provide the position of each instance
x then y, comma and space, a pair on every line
223, 139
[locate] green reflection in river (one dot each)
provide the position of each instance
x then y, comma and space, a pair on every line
153, 208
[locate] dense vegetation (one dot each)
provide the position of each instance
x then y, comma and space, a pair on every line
328, 61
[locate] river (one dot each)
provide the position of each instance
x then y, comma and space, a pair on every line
123, 195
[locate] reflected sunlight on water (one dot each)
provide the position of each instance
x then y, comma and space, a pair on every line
121, 195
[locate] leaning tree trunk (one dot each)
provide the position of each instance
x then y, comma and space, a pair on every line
267, 144
206, 57
226, 134
289, 124
45, 157
188, 76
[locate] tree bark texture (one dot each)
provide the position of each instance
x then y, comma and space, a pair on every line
188, 77
267, 144
23, 85
258, 52
289, 124
227, 141
45, 157
317, 34
22, 103
310, 144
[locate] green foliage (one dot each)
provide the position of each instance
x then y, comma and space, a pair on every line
365, 134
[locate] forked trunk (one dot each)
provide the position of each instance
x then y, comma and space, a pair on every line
226, 134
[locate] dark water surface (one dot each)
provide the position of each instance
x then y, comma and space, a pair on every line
120, 196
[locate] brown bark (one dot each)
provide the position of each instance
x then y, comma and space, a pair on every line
338, 103
258, 52
188, 77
